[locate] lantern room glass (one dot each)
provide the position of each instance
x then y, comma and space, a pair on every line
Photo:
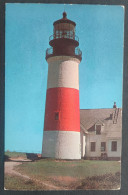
64, 30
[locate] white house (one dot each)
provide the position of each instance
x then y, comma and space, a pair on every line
101, 133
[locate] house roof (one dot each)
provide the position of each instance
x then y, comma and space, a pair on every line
110, 118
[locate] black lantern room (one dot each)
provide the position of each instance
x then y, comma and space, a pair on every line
64, 42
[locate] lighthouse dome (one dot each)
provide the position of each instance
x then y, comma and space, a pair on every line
64, 20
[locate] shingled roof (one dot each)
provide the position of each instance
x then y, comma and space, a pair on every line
110, 118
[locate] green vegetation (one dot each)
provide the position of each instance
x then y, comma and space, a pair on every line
51, 174
15, 154
79, 169
18, 183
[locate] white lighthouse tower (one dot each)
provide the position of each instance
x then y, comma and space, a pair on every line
61, 138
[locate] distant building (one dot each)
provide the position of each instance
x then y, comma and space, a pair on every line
101, 133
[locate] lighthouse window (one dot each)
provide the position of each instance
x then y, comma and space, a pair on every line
56, 115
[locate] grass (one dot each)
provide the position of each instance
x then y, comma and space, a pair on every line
18, 183
79, 169
15, 154
107, 181
83, 174
69, 175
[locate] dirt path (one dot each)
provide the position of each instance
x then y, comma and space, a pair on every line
9, 170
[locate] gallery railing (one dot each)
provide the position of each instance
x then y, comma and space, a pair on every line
78, 52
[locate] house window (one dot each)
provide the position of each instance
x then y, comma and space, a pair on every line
56, 115
98, 129
114, 146
103, 146
93, 146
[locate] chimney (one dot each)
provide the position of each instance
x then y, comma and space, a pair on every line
114, 106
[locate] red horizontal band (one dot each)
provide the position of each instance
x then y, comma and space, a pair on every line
62, 109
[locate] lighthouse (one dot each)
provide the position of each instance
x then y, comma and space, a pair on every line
61, 136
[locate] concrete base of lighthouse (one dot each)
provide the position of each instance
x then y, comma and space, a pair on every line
61, 145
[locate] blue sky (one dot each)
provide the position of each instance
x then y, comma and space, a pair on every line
28, 27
